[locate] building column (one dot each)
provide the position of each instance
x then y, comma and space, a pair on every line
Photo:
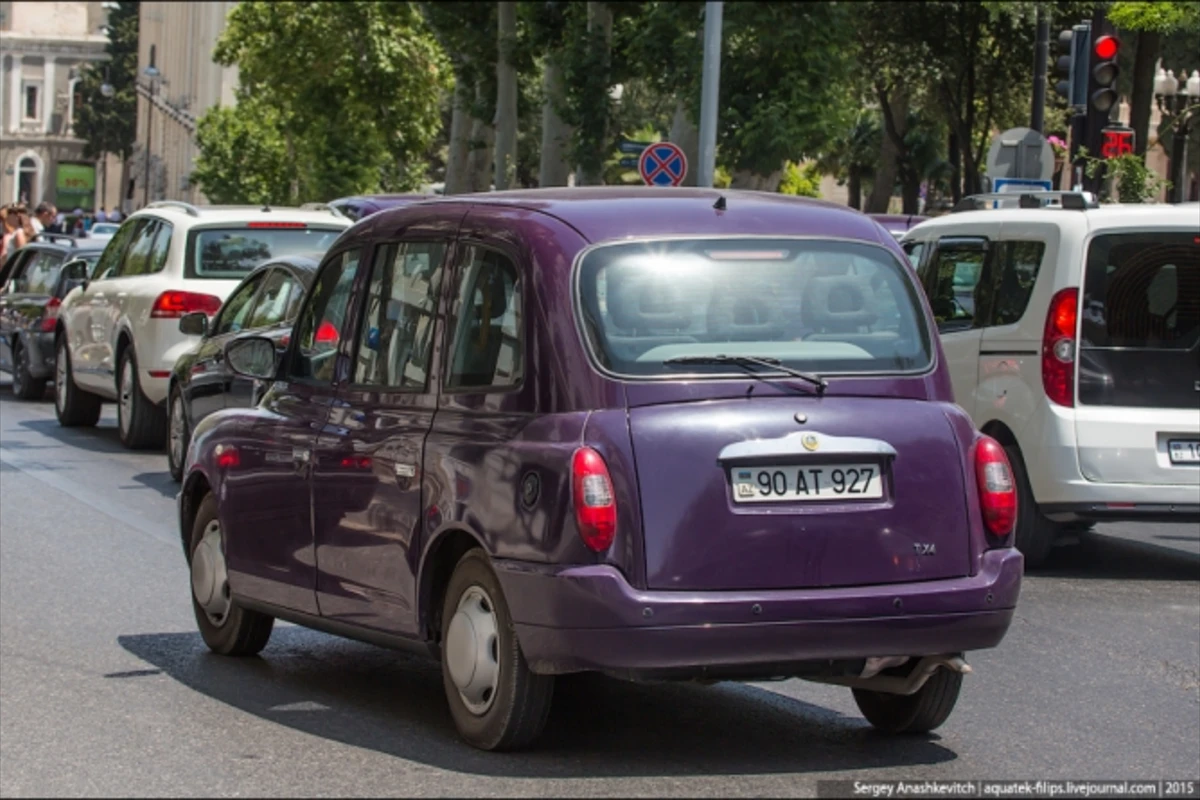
49, 93
14, 106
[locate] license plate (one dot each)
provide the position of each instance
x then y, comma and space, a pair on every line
795, 483
1184, 451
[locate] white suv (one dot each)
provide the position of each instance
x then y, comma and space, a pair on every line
118, 334
1073, 337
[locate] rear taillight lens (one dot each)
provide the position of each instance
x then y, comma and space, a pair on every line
327, 333
50, 315
595, 501
1058, 348
175, 303
997, 489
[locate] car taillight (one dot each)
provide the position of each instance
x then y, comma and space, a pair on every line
595, 502
327, 333
997, 489
1058, 348
227, 456
174, 303
50, 315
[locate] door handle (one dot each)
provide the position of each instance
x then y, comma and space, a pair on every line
98, 296
122, 295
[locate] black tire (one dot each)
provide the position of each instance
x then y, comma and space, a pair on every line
24, 385
240, 632
920, 712
1035, 533
146, 426
74, 407
175, 464
521, 705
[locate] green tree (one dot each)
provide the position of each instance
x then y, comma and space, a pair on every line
107, 123
243, 156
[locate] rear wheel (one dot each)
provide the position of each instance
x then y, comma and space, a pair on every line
24, 385
496, 701
73, 406
226, 627
1035, 533
178, 435
920, 712
140, 423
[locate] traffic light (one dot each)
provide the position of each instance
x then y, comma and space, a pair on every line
1072, 64
1102, 93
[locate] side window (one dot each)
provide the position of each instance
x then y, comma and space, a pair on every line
914, 250
487, 324
1016, 271
14, 269
321, 321
39, 274
162, 244
397, 325
237, 308
952, 278
137, 260
110, 259
276, 297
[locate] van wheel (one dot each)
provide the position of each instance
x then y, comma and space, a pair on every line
1035, 533
227, 628
496, 701
178, 435
920, 712
73, 406
140, 423
24, 385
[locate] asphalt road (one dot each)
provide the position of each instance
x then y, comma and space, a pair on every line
106, 688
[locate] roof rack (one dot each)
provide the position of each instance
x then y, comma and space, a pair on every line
50, 237
1074, 201
323, 207
191, 210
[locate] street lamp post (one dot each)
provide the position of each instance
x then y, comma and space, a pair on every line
1179, 99
709, 93
152, 74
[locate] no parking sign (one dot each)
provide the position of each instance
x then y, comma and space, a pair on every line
663, 164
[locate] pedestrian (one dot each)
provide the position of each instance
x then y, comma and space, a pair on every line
78, 230
101, 216
45, 218
87, 223
115, 215
14, 234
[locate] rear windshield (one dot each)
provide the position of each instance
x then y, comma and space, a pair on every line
1142, 291
822, 306
230, 253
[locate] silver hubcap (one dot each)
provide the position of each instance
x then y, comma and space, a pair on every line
210, 582
60, 379
177, 430
126, 394
472, 650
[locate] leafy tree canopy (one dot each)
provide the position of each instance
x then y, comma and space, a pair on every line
107, 123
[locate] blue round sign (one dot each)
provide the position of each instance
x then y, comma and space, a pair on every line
663, 164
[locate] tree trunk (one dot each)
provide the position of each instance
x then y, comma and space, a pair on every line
744, 179
854, 186
891, 148
955, 170
556, 134
458, 168
685, 134
910, 191
483, 137
294, 184
1149, 44
506, 97
599, 18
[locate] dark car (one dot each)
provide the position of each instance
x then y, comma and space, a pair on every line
266, 303
361, 206
658, 434
33, 282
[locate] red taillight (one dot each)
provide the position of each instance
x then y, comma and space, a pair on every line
227, 456
997, 489
175, 303
277, 225
356, 462
50, 315
327, 333
1058, 348
595, 501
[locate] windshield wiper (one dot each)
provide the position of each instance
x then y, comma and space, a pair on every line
746, 362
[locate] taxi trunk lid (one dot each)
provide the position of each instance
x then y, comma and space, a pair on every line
697, 537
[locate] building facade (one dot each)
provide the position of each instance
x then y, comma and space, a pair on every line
43, 47
177, 82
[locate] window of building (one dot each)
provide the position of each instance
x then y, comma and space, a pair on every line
32, 95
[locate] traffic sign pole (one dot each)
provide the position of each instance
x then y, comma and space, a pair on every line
709, 93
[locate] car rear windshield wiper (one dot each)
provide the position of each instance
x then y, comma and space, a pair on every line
746, 362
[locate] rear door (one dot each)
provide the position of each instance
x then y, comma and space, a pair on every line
1138, 416
10, 297
109, 302
85, 335
953, 275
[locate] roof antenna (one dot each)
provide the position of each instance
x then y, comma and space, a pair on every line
720, 204
266, 207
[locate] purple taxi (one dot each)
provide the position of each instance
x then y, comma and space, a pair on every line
675, 434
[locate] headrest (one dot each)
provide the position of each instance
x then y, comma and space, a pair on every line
745, 312
641, 302
493, 289
840, 303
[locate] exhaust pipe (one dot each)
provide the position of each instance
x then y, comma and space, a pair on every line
871, 680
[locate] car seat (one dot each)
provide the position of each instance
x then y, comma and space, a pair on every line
648, 311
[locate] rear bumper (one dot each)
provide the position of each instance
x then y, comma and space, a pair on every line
590, 618
41, 354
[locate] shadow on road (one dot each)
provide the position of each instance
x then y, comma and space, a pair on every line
100, 439
160, 482
393, 703
1102, 557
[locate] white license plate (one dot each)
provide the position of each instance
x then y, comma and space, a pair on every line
1184, 451
797, 483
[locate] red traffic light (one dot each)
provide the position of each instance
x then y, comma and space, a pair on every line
1106, 48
